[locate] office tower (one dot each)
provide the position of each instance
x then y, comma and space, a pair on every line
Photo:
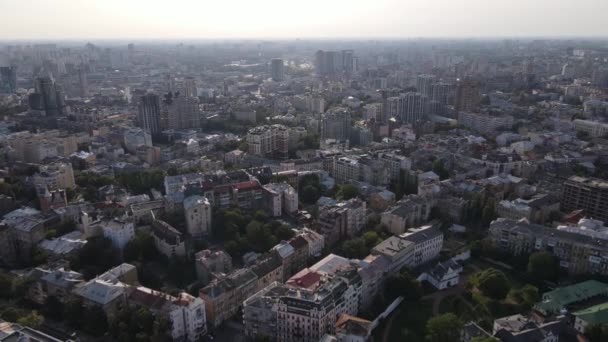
589, 194
348, 61
568, 70
328, 63
277, 69
467, 96
8, 79
148, 115
47, 97
600, 77
336, 125
411, 107
424, 84
190, 89
183, 112
443, 93
82, 82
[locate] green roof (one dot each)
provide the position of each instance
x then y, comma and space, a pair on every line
597, 314
560, 298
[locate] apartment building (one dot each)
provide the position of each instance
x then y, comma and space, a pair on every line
342, 220
484, 123
168, 240
209, 262
577, 253
408, 212
197, 210
224, 296
589, 194
267, 140
594, 129
55, 176
411, 249
281, 198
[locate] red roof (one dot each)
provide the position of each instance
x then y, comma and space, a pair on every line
247, 185
306, 281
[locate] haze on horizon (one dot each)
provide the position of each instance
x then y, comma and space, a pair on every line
203, 19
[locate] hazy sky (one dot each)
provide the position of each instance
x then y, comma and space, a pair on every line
55, 19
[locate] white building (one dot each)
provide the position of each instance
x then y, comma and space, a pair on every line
118, 231
588, 227
316, 242
281, 198
444, 275
188, 318
135, 137
263, 140
411, 249
197, 210
594, 129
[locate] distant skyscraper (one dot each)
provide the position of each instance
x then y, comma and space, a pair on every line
47, 97
190, 87
424, 84
148, 115
336, 125
277, 69
8, 79
183, 112
328, 63
467, 96
82, 82
412, 107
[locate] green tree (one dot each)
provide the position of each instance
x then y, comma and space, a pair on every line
526, 296
371, 239
9, 314
309, 189
6, 286
402, 284
543, 266
95, 257
347, 191
310, 194
440, 170
260, 236
33, 320
355, 248
95, 321
53, 307
492, 283
73, 313
597, 332
444, 328
489, 213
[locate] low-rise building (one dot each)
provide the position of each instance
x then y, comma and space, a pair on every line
209, 262
168, 240
408, 212
281, 198
224, 296
577, 253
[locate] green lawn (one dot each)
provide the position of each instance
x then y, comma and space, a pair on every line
409, 323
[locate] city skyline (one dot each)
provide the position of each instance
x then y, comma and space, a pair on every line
272, 19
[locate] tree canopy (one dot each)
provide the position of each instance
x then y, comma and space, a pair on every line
492, 283
444, 328
543, 266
